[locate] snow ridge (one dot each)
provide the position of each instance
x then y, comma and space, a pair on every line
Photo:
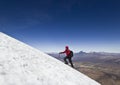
21, 64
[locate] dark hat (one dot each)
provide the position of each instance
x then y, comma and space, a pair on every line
66, 47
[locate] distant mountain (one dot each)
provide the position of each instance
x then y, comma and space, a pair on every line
104, 57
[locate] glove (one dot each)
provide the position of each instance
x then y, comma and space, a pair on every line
60, 52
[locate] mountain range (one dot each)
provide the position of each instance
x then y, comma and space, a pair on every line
105, 57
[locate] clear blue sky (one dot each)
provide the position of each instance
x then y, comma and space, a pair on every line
49, 25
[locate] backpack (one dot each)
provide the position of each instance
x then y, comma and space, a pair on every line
71, 54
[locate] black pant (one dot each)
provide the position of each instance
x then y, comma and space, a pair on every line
70, 60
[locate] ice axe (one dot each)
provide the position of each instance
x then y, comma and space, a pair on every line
60, 57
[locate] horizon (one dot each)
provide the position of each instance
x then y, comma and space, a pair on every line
87, 52
83, 25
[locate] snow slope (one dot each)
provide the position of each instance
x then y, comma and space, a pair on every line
21, 64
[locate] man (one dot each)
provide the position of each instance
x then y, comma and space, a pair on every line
68, 56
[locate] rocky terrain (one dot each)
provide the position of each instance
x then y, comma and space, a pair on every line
103, 73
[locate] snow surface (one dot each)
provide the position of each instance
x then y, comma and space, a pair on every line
21, 64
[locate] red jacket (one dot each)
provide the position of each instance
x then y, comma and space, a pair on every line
67, 52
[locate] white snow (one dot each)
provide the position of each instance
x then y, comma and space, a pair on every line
21, 64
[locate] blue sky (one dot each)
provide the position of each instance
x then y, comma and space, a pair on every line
50, 25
